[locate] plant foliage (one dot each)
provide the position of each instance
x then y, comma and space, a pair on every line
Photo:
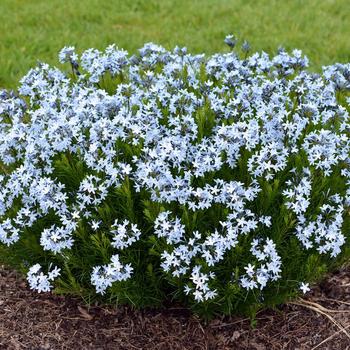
219, 182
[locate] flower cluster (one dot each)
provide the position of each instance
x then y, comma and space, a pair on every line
102, 277
203, 161
39, 281
201, 290
124, 234
298, 193
270, 268
97, 63
324, 232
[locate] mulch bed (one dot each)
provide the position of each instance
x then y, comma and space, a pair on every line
29, 320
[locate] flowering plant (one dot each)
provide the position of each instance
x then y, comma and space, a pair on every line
222, 182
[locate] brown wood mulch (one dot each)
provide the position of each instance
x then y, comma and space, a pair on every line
29, 320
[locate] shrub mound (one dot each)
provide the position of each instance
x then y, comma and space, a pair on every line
221, 182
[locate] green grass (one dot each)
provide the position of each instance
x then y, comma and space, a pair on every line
32, 30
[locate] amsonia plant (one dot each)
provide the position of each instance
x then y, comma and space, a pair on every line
220, 182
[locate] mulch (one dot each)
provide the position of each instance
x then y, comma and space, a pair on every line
29, 320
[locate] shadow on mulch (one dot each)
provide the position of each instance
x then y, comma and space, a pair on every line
32, 321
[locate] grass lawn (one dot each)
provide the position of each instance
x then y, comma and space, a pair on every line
32, 30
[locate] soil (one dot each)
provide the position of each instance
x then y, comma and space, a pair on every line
29, 320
